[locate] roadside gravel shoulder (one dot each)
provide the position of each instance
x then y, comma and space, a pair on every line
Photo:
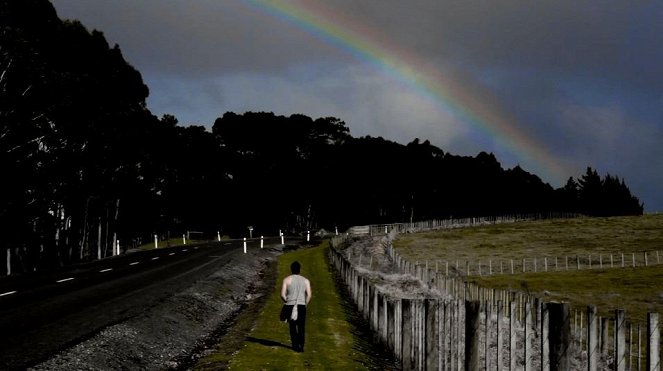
173, 333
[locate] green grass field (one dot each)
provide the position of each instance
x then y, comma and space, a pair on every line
333, 342
559, 237
637, 290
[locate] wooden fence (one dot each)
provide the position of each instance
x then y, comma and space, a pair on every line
461, 326
603, 260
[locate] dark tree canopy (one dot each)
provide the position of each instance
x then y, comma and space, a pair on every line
87, 164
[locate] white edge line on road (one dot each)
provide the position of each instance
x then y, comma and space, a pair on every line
8, 293
134, 263
65, 280
105, 270
155, 258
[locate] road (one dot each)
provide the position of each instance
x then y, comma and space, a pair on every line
41, 314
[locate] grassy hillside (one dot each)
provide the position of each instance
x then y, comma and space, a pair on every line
637, 290
557, 237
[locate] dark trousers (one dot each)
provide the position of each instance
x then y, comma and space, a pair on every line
298, 328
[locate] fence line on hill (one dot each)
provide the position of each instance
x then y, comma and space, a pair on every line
545, 264
600, 260
466, 326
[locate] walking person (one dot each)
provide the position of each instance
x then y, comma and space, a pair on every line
296, 292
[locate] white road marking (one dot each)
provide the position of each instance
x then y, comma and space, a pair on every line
105, 270
172, 253
134, 263
8, 293
184, 250
195, 248
155, 258
65, 280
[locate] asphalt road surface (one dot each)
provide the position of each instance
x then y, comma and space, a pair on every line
41, 314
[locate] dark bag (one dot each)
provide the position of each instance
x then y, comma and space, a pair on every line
286, 310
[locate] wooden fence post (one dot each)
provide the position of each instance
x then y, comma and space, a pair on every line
512, 336
545, 341
381, 318
499, 335
454, 336
407, 324
367, 301
639, 348
592, 339
619, 361
371, 307
528, 336
653, 342
486, 335
390, 325
472, 310
629, 349
444, 331
398, 329
605, 324
431, 334
559, 336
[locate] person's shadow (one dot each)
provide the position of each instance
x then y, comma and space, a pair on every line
267, 343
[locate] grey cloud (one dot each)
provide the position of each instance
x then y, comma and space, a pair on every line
197, 38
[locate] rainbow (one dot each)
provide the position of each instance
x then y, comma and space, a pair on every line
470, 104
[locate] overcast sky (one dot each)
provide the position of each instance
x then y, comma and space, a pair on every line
554, 86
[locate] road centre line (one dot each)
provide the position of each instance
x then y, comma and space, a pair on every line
184, 250
134, 263
172, 253
8, 293
105, 270
65, 280
155, 258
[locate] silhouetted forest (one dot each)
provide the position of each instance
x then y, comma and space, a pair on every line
84, 163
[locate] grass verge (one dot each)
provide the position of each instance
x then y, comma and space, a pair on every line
335, 337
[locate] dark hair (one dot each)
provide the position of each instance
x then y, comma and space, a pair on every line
295, 267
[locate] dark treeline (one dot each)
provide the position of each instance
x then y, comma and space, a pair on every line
85, 163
